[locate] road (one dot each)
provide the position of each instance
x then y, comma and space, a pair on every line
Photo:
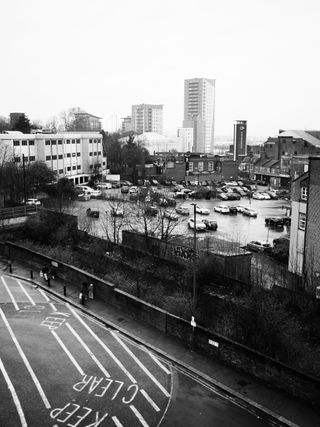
59, 367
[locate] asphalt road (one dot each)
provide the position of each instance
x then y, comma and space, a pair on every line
61, 368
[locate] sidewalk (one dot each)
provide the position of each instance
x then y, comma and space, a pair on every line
286, 409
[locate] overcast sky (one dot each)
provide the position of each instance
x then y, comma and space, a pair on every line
105, 55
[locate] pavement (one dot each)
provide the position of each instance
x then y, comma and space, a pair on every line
287, 410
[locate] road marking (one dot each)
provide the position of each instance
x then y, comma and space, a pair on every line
148, 398
159, 363
10, 294
44, 295
117, 422
28, 296
14, 395
139, 416
26, 362
54, 308
84, 345
73, 360
103, 345
164, 391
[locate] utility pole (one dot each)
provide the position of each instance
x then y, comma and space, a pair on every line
194, 277
24, 179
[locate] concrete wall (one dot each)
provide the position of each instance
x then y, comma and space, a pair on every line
229, 352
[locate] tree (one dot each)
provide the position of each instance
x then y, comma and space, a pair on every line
4, 124
133, 154
38, 175
22, 124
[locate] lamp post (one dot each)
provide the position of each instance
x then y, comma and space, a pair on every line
194, 277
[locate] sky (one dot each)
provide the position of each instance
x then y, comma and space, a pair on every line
106, 55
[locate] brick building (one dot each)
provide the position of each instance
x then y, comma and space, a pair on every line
305, 227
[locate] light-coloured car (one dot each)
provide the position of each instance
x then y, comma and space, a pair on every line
183, 210
257, 196
259, 246
116, 211
222, 209
199, 225
249, 212
104, 185
202, 211
240, 208
133, 189
33, 202
172, 216
266, 196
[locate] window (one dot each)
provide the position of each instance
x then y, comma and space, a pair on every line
78, 154
48, 157
32, 158
53, 142
200, 166
47, 141
99, 153
68, 141
54, 157
79, 167
190, 166
302, 221
60, 171
31, 142
60, 141
78, 141
24, 143
90, 154
60, 156
95, 153
68, 155
210, 166
304, 193
69, 168
91, 166
73, 141
90, 141
74, 154
16, 143
17, 159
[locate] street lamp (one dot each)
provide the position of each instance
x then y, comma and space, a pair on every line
194, 278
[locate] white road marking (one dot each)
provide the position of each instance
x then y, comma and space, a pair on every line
139, 416
117, 422
26, 362
44, 295
84, 345
159, 363
148, 398
28, 296
73, 360
10, 294
54, 308
164, 391
14, 395
103, 345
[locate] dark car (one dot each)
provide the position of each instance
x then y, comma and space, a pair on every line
233, 196
151, 211
210, 224
274, 222
233, 210
92, 214
259, 246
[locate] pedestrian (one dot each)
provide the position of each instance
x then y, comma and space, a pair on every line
84, 289
91, 291
45, 271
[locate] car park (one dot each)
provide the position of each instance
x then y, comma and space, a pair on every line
275, 222
183, 210
249, 212
33, 202
202, 211
221, 209
259, 246
210, 224
172, 216
198, 225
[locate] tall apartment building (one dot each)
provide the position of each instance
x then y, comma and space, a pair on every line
147, 118
199, 110
73, 155
126, 125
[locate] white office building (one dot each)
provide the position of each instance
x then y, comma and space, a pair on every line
147, 118
72, 155
199, 112
185, 139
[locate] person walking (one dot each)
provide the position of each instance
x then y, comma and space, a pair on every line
91, 291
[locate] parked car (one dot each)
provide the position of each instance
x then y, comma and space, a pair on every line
259, 246
221, 209
125, 189
84, 197
92, 213
183, 210
257, 196
265, 196
172, 216
274, 222
151, 210
223, 196
233, 196
133, 189
104, 185
95, 193
272, 194
198, 225
264, 183
116, 211
154, 182
233, 210
210, 224
240, 208
33, 202
249, 212
202, 211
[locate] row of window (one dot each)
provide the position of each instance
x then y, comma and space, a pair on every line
95, 153
26, 159
24, 142
200, 166
302, 221
59, 141
91, 141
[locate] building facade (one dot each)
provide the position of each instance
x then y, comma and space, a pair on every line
75, 156
185, 137
305, 227
126, 125
147, 118
239, 139
85, 122
199, 112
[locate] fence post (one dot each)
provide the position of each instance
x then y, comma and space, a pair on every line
31, 274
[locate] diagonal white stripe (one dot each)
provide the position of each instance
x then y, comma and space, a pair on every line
10, 294
26, 362
139, 416
44, 295
116, 421
146, 370
148, 398
28, 296
111, 354
84, 345
73, 360
14, 395
159, 363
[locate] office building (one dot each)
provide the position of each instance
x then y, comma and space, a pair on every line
75, 156
85, 122
199, 111
185, 139
239, 139
147, 118
126, 125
